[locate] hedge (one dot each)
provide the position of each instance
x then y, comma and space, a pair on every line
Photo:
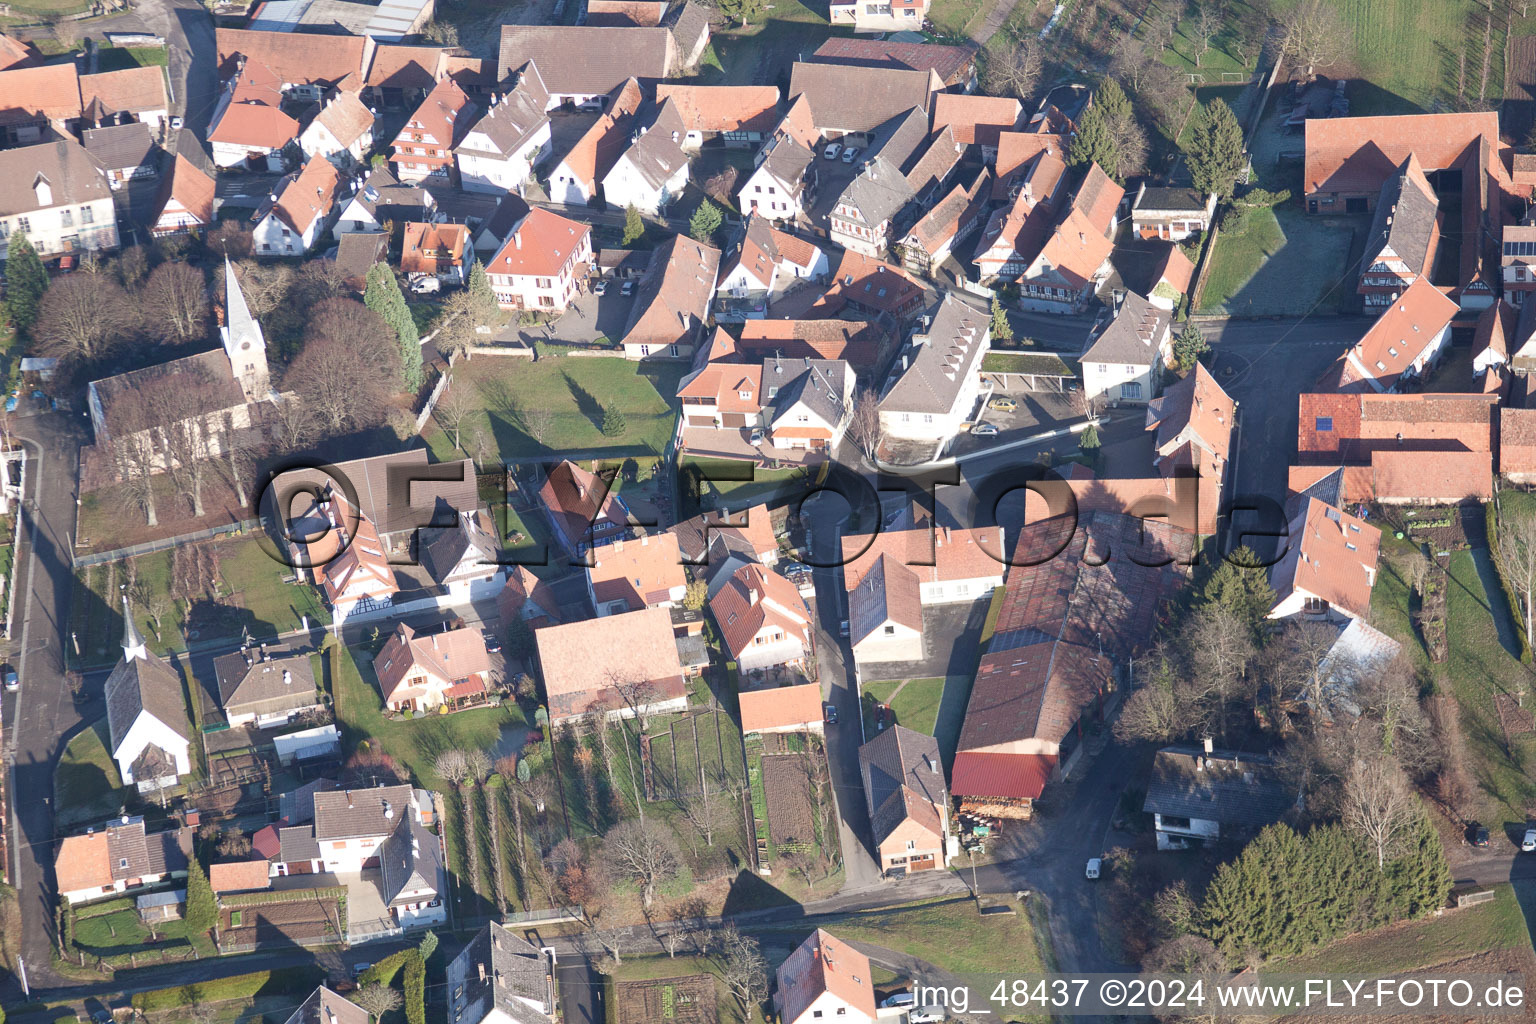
1491, 515
238, 986
86, 911
262, 899
383, 972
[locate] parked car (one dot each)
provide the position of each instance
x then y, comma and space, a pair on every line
899, 999
12, 680
360, 967
426, 285
590, 107
756, 437
1003, 404
600, 288
829, 713
833, 148
984, 430
842, 629
1094, 864
1477, 835
851, 154
492, 644
1528, 844
628, 289
926, 1015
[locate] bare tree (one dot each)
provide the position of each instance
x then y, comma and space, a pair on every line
82, 318
465, 316
1315, 36
451, 766
539, 421
864, 425
1454, 782
580, 883
645, 852
1517, 559
704, 811
377, 999
293, 423
453, 408
230, 239
1129, 59
743, 967
1165, 707
1014, 68
1208, 20
188, 403
349, 366
1296, 664
1390, 696
175, 303
1220, 647
239, 462
1379, 807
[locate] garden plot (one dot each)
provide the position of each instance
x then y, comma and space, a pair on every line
687, 1000
791, 812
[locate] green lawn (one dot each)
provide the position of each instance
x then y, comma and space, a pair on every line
649, 968
1284, 263
1405, 50
953, 17
726, 483
119, 58
514, 395
952, 936
1420, 945
763, 50
915, 706
414, 743
86, 784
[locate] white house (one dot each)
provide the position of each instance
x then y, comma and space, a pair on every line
784, 169
767, 264
146, 715
651, 173
420, 673
1123, 350
1329, 565
382, 199
885, 614
58, 196
298, 213
762, 619
119, 857
1203, 795
461, 559
185, 200
251, 135
940, 381
342, 132
1172, 214
543, 263
351, 824
825, 980
501, 978
499, 152
1407, 339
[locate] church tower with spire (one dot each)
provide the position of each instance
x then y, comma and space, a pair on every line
244, 343
134, 648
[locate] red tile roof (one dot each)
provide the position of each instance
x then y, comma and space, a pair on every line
131, 89
855, 341
1356, 154
440, 659
1438, 477
580, 660
1517, 440
309, 196
783, 707
1361, 423
872, 284
1332, 556
297, 58
1401, 333
1012, 776
51, 91
540, 246
754, 600
1016, 149
190, 186
641, 572
1177, 270
976, 119
723, 108
432, 248
726, 383
239, 876
446, 114
255, 125
822, 964
943, 555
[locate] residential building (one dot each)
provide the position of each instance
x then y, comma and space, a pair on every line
1194, 419
356, 254
949, 222
401, 76
671, 307
739, 115
1029, 164
1490, 343
126, 152
977, 120
543, 263
908, 804
885, 613
1205, 795
579, 174
350, 825
939, 383
646, 572
258, 689
252, 136
59, 197
825, 979
1084, 594
527, 597
1517, 261
1406, 341
859, 343
950, 564
1058, 261
1404, 236
651, 172
1328, 567
326, 1007
303, 64
119, 857
807, 403
711, 539
857, 101
616, 665
499, 977
582, 508
42, 103
724, 395
346, 556
861, 220
239, 876
419, 673
689, 24
955, 65
146, 715
1171, 278
767, 264
1173, 214
426, 145
499, 153
763, 620
582, 64
1359, 655
496, 230
895, 16
382, 200
1517, 445
459, 554
18, 53
781, 709
299, 211
784, 173
185, 200
879, 291
1126, 350
342, 132
131, 95
442, 251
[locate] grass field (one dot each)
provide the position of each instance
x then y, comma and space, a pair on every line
763, 51
86, 784
951, 935
915, 704
576, 394
727, 483
953, 17
647, 968
1283, 264
1417, 945
1186, 55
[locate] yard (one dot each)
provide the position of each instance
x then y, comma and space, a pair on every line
111, 930
763, 52
557, 407
1284, 264
86, 785
727, 483
914, 703
1222, 58
686, 989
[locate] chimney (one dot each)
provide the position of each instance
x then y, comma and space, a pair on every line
349, 799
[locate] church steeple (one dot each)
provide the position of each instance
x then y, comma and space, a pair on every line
244, 343
133, 643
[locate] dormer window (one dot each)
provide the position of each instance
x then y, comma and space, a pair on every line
43, 190
744, 395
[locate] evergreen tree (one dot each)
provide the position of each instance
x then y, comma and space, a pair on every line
26, 279
1420, 879
383, 296
1002, 330
202, 912
1189, 346
1088, 442
480, 284
1093, 142
1242, 585
1215, 154
634, 227
613, 422
704, 222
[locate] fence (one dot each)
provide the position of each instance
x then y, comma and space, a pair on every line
437, 392
149, 547
553, 915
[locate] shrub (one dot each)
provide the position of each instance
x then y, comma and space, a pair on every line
238, 986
